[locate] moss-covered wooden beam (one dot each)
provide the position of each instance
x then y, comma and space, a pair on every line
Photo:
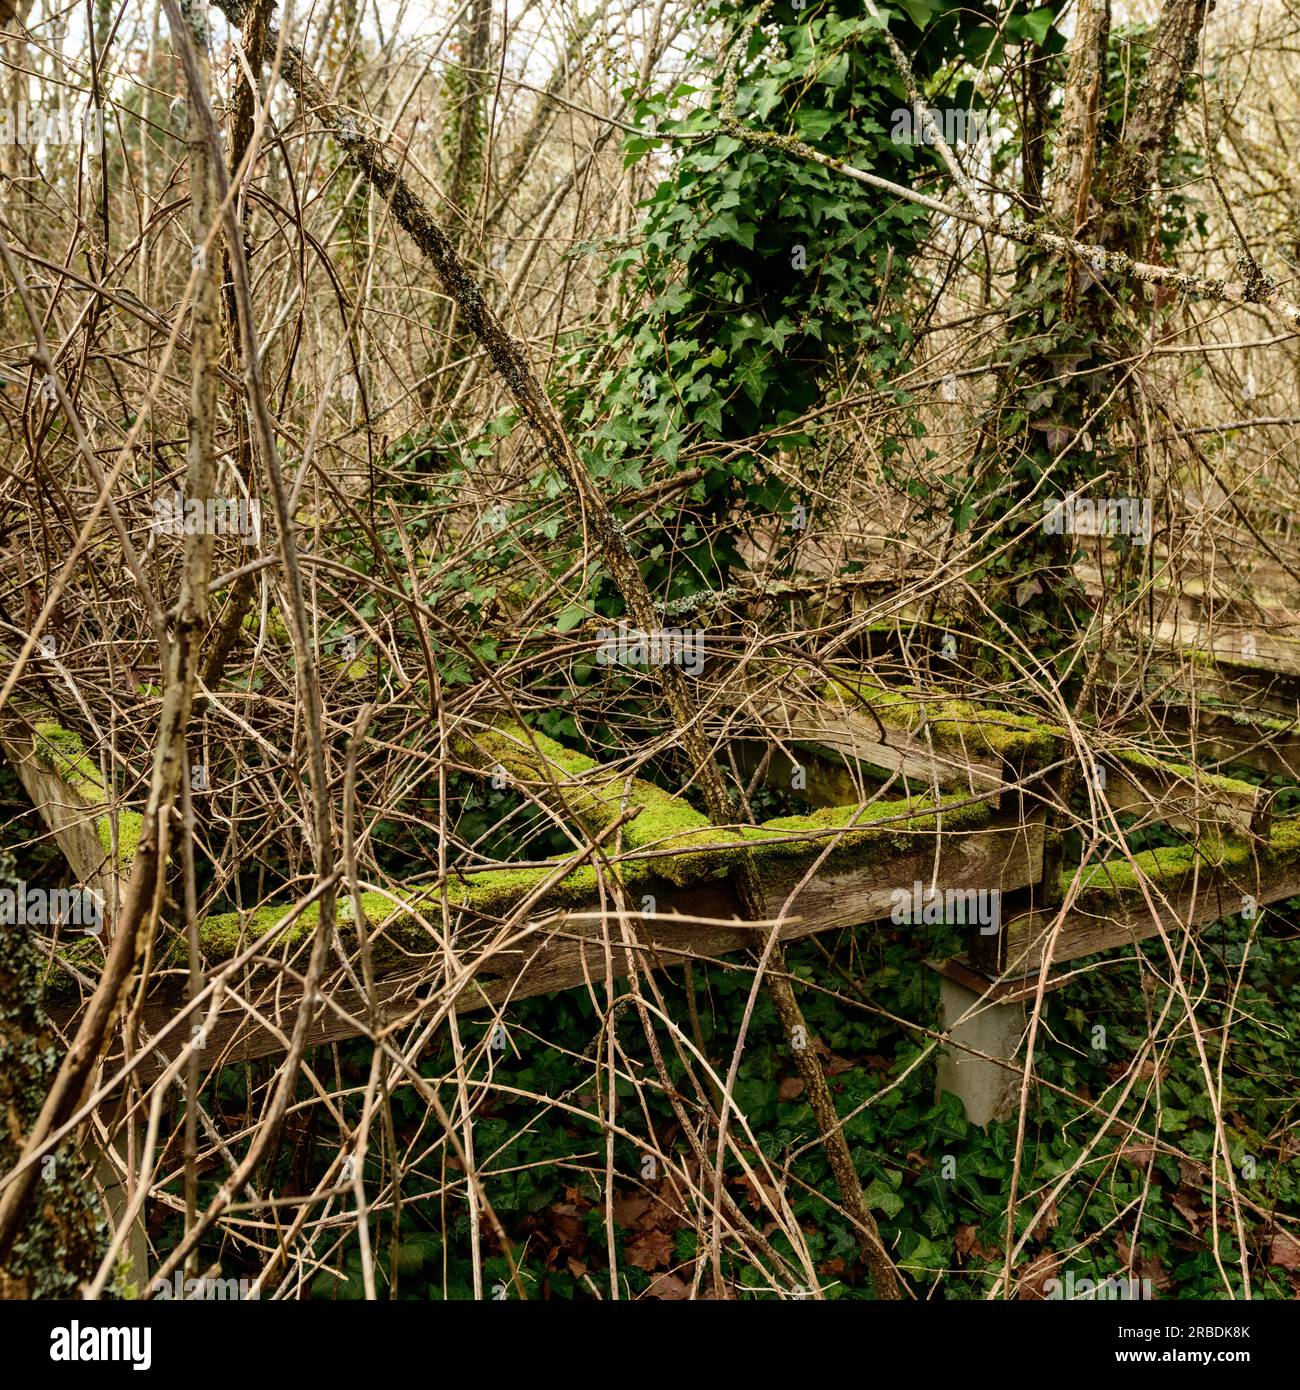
841, 727
1184, 796
1190, 886
931, 737
678, 842
673, 862
65, 786
1240, 646
1170, 790
1192, 671
572, 783
1240, 650
1266, 742
667, 846
669, 921
961, 743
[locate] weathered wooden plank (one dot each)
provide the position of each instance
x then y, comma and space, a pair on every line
853, 734
1216, 733
67, 791
1248, 601
568, 949
1238, 647
815, 776
1187, 890
1195, 673
1183, 796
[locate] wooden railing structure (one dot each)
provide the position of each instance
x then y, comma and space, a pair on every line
909, 785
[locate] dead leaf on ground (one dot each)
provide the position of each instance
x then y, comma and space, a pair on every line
630, 1208
968, 1244
567, 1224
649, 1250
1186, 1207
755, 1185
1032, 1282
669, 1288
1141, 1265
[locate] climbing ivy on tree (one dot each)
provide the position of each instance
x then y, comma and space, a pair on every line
763, 280
1051, 430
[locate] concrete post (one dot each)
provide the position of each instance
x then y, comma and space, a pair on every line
987, 1091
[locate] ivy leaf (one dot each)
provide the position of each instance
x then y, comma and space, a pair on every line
814, 124
633, 148
920, 12
753, 377
1037, 24
711, 417
880, 1197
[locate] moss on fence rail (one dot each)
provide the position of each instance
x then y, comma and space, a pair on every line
62, 753
1213, 859
957, 726
665, 841
857, 836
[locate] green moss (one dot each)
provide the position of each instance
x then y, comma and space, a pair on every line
221, 936
130, 824
1117, 878
701, 849
1284, 841
597, 798
1171, 867
83, 953
1147, 762
954, 725
275, 626
493, 893
880, 830
1259, 719
61, 751
497, 892
523, 754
